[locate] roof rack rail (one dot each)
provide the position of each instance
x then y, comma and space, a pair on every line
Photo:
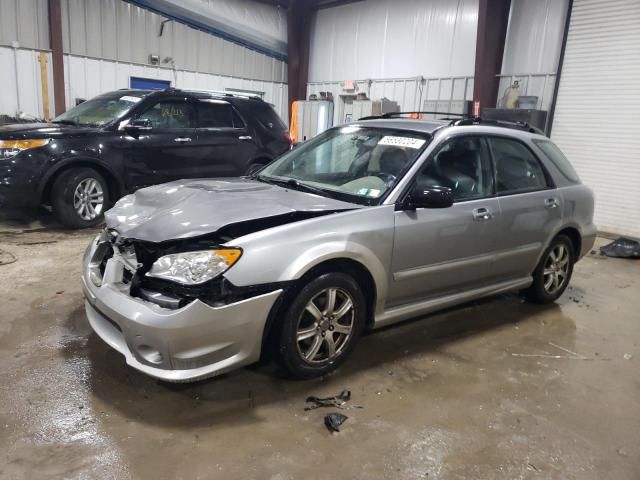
218, 92
498, 123
396, 114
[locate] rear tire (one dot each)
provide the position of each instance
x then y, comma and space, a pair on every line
552, 275
79, 197
322, 325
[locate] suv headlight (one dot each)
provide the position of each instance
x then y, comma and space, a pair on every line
10, 148
193, 268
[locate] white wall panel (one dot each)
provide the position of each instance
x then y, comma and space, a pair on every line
597, 117
21, 67
117, 30
24, 21
403, 38
534, 36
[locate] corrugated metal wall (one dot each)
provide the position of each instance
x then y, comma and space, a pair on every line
116, 30
399, 39
532, 47
597, 115
107, 41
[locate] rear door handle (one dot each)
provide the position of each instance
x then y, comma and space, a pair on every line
482, 214
244, 137
551, 203
182, 139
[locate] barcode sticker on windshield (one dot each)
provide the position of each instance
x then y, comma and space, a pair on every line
128, 98
402, 142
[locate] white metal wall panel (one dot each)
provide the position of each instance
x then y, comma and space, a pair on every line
117, 30
24, 21
403, 38
597, 116
534, 36
23, 98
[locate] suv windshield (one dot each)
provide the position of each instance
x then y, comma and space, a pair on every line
360, 163
101, 110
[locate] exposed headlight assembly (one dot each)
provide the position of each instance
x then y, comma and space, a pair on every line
10, 148
194, 268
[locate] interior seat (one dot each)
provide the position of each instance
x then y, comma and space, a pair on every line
393, 160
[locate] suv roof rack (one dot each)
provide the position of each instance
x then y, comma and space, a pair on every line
465, 119
397, 114
216, 92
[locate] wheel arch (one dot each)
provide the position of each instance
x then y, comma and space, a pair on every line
116, 188
354, 268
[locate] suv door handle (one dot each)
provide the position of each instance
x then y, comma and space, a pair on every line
551, 203
482, 214
182, 139
244, 137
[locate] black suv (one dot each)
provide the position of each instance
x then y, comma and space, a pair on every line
115, 143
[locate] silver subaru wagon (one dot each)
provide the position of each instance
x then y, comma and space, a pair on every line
365, 225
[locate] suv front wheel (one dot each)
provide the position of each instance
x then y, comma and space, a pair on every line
322, 325
79, 197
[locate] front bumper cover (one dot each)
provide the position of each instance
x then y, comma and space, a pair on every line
186, 344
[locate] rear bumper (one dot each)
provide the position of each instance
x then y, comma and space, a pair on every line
187, 344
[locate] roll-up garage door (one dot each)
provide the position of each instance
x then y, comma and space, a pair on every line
597, 118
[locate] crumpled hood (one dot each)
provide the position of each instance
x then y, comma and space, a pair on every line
188, 208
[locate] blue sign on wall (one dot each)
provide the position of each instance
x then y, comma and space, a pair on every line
149, 83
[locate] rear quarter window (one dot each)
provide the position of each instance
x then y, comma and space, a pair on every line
556, 156
268, 118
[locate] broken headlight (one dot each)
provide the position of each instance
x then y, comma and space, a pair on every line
193, 268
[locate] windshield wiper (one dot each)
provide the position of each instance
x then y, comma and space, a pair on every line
292, 182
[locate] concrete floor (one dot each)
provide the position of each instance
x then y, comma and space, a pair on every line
496, 389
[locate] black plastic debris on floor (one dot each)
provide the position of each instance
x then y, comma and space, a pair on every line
621, 248
334, 420
337, 401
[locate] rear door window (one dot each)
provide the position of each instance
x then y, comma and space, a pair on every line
517, 168
217, 114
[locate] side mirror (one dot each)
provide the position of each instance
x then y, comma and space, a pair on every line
138, 125
430, 197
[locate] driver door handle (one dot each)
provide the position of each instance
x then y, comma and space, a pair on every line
244, 137
482, 214
182, 139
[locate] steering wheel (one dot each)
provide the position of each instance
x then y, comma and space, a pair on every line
387, 178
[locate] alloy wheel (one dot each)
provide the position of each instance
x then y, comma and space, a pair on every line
88, 199
325, 326
556, 269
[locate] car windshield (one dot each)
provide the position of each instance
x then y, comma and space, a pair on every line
359, 163
101, 110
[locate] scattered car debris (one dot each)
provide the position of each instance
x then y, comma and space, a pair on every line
627, 356
334, 420
572, 355
621, 248
6, 258
337, 401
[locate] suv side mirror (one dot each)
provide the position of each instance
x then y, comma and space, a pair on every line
138, 125
430, 197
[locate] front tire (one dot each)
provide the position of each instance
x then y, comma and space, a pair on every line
79, 197
552, 275
253, 168
322, 325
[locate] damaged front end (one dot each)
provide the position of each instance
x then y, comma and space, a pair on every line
136, 259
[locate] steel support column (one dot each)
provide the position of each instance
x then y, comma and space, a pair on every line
493, 18
298, 33
55, 40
